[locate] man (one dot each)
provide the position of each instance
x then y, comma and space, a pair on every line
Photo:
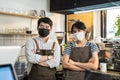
42, 52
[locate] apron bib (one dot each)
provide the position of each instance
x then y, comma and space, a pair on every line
39, 72
79, 54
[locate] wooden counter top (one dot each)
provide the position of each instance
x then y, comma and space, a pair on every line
112, 73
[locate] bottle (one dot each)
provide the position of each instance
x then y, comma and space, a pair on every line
42, 13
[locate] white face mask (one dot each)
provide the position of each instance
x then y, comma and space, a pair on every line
79, 36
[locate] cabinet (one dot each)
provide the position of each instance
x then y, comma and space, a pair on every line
83, 3
71, 6
60, 6
98, 76
109, 75
19, 15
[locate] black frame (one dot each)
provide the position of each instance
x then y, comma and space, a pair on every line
103, 23
11, 67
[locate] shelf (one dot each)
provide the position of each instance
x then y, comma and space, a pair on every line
20, 15
22, 34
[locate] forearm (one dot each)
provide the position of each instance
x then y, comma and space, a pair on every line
72, 67
87, 65
43, 64
66, 64
91, 64
55, 60
43, 58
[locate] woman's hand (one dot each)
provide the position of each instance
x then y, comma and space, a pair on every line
91, 60
68, 64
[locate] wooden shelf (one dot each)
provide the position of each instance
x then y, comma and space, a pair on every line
20, 15
22, 34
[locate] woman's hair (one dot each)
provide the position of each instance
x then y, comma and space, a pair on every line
45, 20
79, 25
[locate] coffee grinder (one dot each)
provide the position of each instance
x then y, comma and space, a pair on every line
60, 38
113, 62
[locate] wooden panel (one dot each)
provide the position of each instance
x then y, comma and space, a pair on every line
87, 18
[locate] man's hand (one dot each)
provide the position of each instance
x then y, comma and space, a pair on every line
50, 57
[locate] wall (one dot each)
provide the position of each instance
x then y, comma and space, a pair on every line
97, 24
12, 23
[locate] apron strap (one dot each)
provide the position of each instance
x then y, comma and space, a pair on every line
39, 48
53, 46
90, 44
36, 44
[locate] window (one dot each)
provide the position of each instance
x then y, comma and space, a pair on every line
110, 22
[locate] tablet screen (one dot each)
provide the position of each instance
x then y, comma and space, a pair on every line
6, 72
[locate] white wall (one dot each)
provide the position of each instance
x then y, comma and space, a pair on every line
97, 24
18, 6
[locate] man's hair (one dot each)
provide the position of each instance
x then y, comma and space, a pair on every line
45, 20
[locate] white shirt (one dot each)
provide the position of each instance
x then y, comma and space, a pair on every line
30, 51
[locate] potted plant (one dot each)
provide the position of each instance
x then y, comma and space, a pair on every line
117, 25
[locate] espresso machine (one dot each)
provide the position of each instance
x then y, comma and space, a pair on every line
116, 56
113, 62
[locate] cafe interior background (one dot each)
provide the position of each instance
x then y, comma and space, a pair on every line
14, 23
13, 28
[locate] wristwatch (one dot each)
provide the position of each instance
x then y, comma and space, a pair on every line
49, 57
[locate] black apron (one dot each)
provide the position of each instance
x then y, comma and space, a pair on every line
40, 72
79, 54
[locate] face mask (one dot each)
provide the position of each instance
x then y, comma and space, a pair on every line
79, 36
43, 32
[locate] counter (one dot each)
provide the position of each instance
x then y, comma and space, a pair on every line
109, 75
97, 75
112, 73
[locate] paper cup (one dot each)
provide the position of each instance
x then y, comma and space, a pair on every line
103, 67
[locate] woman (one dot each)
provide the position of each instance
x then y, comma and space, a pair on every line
79, 55
42, 53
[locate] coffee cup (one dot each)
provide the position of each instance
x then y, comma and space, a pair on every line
103, 67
